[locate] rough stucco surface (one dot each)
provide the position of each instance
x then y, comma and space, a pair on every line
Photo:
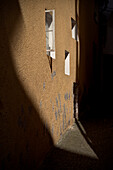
36, 106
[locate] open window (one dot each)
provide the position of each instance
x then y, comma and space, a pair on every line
50, 32
67, 63
74, 29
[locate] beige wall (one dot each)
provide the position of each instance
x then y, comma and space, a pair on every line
36, 106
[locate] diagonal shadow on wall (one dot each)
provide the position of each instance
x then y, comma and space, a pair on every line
23, 141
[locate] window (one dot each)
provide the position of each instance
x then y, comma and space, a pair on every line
73, 25
74, 29
67, 63
50, 32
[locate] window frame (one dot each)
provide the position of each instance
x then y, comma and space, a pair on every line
67, 63
51, 51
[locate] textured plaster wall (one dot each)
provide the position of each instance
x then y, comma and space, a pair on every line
36, 106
